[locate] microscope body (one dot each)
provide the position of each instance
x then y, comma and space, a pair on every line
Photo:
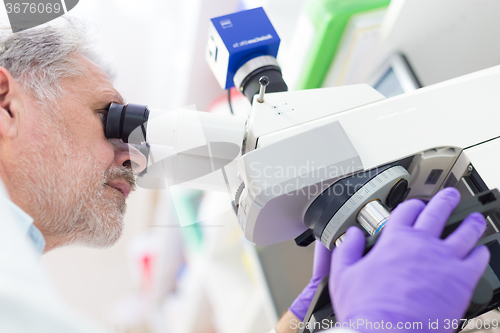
307, 165
299, 144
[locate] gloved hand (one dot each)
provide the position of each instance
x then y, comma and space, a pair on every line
321, 268
410, 275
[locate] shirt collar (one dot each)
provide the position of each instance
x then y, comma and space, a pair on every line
25, 222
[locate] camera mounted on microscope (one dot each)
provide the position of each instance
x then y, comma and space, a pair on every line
242, 47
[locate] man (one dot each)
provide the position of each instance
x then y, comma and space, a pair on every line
56, 163
64, 177
67, 182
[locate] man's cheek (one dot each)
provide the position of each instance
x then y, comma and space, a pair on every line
102, 152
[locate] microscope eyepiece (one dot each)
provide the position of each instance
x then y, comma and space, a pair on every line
123, 119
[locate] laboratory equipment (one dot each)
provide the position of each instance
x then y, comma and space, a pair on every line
242, 47
312, 163
486, 293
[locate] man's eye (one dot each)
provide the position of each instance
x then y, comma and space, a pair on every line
104, 117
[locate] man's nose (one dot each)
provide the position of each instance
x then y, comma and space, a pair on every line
128, 156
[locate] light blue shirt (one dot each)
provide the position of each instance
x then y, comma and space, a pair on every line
27, 228
29, 301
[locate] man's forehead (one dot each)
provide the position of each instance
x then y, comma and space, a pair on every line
99, 82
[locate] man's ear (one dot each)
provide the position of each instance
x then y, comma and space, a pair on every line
9, 89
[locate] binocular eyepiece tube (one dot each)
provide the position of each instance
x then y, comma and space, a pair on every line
122, 120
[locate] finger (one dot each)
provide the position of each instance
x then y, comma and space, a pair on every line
405, 213
438, 210
464, 238
476, 262
349, 251
322, 261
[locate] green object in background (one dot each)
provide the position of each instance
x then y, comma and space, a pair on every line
187, 204
329, 18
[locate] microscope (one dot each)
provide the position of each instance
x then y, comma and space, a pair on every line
307, 165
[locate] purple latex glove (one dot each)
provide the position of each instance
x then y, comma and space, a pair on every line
410, 275
321, 268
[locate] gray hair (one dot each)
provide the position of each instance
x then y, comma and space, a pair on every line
38, 58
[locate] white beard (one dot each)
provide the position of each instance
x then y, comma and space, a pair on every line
65, 192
